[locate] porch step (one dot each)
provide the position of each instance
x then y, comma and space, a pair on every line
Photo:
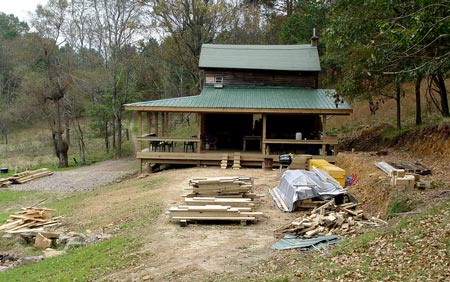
237, 161
224, 162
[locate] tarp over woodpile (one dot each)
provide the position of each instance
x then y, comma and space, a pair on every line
297, 185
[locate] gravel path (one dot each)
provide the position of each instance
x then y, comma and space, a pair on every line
83, 178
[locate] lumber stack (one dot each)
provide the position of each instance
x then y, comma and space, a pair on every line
213, 212
4, 182
329, 219
239, 187
30, 220
26, 176
218, 198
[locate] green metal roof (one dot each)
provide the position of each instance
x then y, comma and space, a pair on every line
247, 99
262, 57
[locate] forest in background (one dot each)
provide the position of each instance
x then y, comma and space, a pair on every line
83, 59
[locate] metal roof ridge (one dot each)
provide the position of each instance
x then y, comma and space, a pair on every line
260, 46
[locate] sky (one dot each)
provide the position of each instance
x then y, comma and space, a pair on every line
20, 8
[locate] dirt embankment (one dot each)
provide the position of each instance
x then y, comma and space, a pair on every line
433, 140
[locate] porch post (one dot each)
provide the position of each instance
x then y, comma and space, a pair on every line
166, 126
163, 124
201, 130
139, 121
324, 132
149, 122
263, 135
157, 123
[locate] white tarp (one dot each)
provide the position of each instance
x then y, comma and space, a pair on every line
297, 185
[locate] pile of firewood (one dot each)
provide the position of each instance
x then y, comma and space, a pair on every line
30, 221
330, 219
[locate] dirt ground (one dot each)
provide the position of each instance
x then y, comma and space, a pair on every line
174, 253
199, 251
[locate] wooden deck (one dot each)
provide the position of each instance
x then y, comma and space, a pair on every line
211, 158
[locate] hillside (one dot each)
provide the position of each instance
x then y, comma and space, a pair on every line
146, 246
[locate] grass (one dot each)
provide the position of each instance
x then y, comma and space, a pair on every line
83, 264
97, 260
399, 205
25, 153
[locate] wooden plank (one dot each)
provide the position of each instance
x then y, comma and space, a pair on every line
232, 218
281, 201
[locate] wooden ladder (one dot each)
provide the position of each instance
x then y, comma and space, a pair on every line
224, 162
237, 161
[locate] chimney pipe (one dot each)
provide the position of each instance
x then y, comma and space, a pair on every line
314, 39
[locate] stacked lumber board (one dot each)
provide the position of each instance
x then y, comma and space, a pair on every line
217, 198
329, 219
213, 212
412, 167
30, 220
4, 182
221, 187
26, 176
232, 202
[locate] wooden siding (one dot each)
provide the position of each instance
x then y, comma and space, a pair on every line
262, 78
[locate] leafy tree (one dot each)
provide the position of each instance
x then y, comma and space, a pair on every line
116, 25
187, 25
11, 27
375, 43
298, 27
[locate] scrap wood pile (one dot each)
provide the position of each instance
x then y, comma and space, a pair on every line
330, 219
219, 198
30, 221
26, 176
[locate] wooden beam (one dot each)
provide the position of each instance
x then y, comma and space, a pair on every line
201, 127
163, 124
139, 121
149, 123
324, 133
157, 123
263, 137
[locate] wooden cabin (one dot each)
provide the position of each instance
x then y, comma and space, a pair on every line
258, 101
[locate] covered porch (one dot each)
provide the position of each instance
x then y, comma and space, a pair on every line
251, 124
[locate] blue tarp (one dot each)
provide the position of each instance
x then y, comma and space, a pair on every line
293, 242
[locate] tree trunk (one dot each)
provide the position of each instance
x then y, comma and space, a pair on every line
60, 144
443, 95
398, 100
81, 145
418, 101
119, 136
106, 137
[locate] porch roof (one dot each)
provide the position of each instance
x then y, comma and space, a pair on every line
251, 100
263, 57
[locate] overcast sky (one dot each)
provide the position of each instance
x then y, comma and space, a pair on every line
20, 8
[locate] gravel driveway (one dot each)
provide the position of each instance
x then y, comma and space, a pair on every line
83, 178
